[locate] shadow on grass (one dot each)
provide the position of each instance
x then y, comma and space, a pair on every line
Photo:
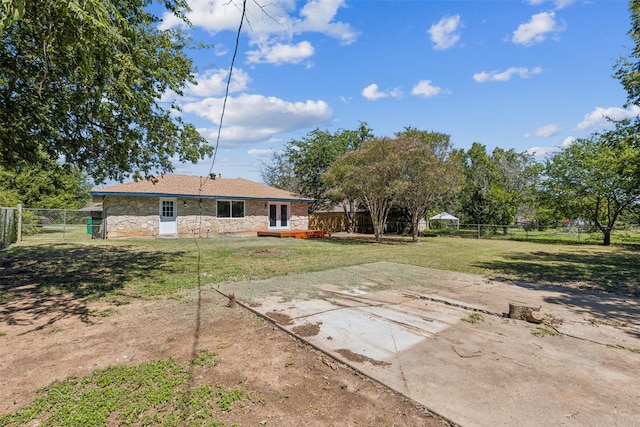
605, 286
616, 272
46, 283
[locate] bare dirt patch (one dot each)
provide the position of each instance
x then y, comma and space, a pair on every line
355, 357
296, 384
307, 330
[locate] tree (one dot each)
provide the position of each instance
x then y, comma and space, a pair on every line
594, 179
372, 174
81, 81
431, 171
496, 185
50, 187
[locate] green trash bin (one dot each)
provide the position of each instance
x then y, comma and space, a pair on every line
89, 225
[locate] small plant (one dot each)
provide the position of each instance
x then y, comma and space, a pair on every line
2, 334
171, 338
206, 358
622, 347
54, 329
108, 312
289, 363
226, 398
541, 332
474, 318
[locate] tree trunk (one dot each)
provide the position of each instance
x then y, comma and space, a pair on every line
607, 237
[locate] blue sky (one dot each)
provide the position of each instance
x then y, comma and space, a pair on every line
531, 75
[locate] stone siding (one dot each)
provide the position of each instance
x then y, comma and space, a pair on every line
139, 217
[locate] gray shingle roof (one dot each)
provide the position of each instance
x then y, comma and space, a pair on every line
188, 186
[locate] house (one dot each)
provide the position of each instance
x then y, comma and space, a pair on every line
188, 206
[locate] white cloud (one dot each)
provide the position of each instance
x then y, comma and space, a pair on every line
445, 33
256, 118
559, 4
545, 131
542, 151
372, 93
214, 82
536, 30
600, 116
270, 26
426, 89
505, 76
568, 141
278, 53
260, 154
318, 15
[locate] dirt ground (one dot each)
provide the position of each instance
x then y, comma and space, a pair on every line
42, 341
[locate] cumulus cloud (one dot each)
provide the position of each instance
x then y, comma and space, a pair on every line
372, 92
214, 82
505, 76
278, 54
542, 151
545, 131
318, 16
568, 141
270, 26
444, 34
603, 116
256, 118
537, 29
426, 89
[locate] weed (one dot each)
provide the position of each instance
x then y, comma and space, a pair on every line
206, 358
289, 363
152, 393
171, 338
108, 312
226, 398
622, 347
473, 318
54, 329
2, 334
541, 332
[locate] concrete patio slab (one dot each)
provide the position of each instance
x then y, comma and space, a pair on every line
441, 339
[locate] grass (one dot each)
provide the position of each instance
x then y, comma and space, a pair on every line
155, 393
152, 393
121, 270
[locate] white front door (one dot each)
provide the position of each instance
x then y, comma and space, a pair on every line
168, 214
279, 216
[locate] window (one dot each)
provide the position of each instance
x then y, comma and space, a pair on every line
167, 209
230, 209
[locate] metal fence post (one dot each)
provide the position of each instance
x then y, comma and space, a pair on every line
19, 230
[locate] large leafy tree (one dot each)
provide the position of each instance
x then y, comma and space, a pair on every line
594, 179
496, 184
372, 174
50, 187
432, 172
81, 82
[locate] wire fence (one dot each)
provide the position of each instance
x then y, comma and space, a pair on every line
563, 233
59, 225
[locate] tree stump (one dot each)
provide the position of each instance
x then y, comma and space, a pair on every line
525, 312
232, 300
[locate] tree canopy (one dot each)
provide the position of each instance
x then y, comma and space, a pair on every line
594, 180
81, 82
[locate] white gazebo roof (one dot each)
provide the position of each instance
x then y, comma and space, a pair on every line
444, 215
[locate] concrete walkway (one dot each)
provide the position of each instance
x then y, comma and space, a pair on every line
441, 339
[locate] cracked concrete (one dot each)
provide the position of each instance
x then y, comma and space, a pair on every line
441, 339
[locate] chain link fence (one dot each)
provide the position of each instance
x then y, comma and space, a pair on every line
59, 225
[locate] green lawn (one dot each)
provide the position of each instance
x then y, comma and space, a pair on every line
146, 268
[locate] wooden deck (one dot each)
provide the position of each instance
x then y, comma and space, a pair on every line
298, 234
